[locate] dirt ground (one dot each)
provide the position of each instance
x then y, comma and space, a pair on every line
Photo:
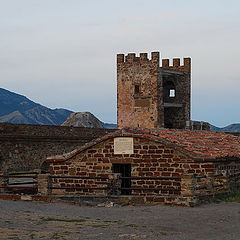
64, 221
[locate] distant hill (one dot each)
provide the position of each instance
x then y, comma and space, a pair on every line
230, 128
86, 119
83, 119
15, 108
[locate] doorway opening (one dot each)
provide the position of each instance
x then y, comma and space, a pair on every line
125, 171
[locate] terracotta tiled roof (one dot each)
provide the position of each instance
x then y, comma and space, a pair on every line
204, 143
200, 143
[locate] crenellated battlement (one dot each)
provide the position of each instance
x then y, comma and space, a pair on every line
155, 58
143, 57
186, 67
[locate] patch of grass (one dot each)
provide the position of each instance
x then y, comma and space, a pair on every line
79, 224
32, 235
163, 233
99, 225
27, 211
56, 236
230, 197
118, 221
131, 225
49, 219
60, 235
28, 219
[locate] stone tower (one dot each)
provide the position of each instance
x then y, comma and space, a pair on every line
150, 96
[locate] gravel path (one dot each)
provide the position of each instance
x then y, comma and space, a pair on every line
36, 220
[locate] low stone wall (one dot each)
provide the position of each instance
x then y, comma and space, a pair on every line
198, 125
25, 147
194, 189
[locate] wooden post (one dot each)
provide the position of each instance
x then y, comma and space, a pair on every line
3, 182
44, 184
188, 185
115, 184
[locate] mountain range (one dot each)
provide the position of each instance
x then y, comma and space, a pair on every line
235, 127
16, 108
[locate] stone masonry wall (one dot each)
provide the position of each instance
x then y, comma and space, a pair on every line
150, 159
138, 91
25, 147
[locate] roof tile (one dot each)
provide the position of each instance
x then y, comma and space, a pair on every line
204, 143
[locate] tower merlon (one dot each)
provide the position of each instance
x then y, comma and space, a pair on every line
176, 62
120, 58
155, 56
165, 63
143, 57
187, 62
130, 57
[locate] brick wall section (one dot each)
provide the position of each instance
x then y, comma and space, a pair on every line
25, 147
150, 159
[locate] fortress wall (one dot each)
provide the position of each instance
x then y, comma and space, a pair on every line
24, 147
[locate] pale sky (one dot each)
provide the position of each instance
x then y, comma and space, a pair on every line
61, 53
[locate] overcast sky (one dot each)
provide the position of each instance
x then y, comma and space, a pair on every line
61, 53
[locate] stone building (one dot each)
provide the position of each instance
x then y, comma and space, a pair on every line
150, 96
169, 166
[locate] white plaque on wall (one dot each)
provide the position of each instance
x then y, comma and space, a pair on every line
123, 145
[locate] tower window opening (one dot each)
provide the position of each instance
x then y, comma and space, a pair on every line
137, 89
172, 93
